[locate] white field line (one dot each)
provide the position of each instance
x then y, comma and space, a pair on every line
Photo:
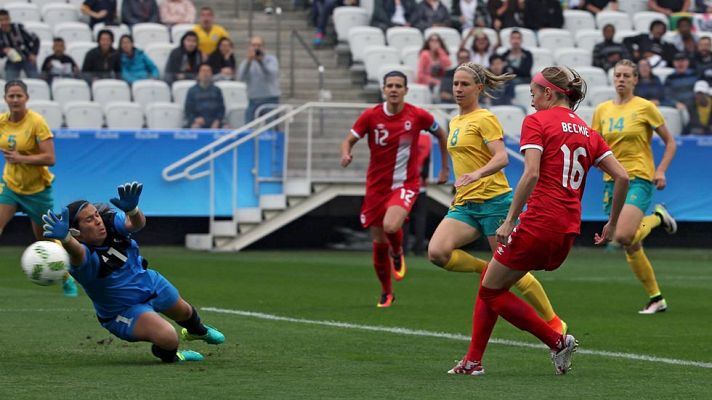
453, 336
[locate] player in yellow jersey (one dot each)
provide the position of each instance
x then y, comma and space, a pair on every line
28, 149
483, 195
627, 124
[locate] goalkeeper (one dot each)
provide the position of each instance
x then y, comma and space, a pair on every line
127, 295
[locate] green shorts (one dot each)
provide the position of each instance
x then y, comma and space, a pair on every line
34, 205
486, 217
640, 194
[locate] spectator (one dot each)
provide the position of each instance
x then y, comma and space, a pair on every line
209, 33
596, 6
139, 11
135, 64
703, 6
651, 46
519, 61
701, 110
429, 13
433, 61
184, 60
321, 12
702, 59
222, 61
204, 103
99, 11
669, 7
390, 13
481, 49
506, 13
503, 95
684, 40
177, 12
649, 86
261, 73
19, 46
680, 84
471, 14
58, 64
543, 14
102, 61
463, 56
607, 53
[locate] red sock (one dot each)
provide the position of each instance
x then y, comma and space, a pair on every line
382, 265
519, 314
396, 242
483, 322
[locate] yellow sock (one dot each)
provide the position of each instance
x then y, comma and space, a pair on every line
462, 261
643, 270
532, 290
648, 223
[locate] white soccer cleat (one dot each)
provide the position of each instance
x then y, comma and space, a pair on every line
562, 358
654, 306
669, 222
463, 367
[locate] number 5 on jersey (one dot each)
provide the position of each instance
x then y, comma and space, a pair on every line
573, 170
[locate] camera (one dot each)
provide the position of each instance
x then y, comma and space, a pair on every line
258, 53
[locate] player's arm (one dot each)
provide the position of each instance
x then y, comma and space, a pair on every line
57, 227
670, 148
44, 157
127, 202
610, 165
346, 146
532, 161
444, 160
498, 161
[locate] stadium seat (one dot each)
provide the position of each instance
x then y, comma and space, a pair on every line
56, 13
123, 115
164, 116
66, 90
235, 116
586, 113
23, 12
528, 37
41, 3
593, 76
620, 35
42, 30
234, 93
673, 120
148, 32
618, 19
346, 18
419, 94
78, 50
105, 91
572, 57
587, 39
642, 20
178, 30
368, 5
44, 51
663, 72
50, 110
38, 89
73, 32
542, 58
147, 91
361, 37
376, 56
83, 115
491, 35
3, 107
409, 57
180, 90
511, 118
159, 53
386, 68
117, 30
401, 37
576, 20
522, 95
597, 95
553, 39
450, 36
632, 6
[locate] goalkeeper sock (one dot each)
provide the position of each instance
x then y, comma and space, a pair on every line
193, 324
167, 356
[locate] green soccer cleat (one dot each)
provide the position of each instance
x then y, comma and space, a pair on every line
189, 355
213, 336
70, 287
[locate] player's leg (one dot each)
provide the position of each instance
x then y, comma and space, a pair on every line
7, 211
455, 231
382, 265
393, 221
187, 316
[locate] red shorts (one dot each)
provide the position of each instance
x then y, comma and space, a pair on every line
374, 207
530, 249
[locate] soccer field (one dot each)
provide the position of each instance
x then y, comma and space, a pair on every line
303, 325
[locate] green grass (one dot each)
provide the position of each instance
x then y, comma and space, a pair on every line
62, 352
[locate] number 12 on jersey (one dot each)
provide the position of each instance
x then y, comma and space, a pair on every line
573, 170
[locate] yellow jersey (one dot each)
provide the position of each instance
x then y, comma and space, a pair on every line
467, 146
208, 41
25, 136
628, 130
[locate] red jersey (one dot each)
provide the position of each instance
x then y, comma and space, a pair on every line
393, 141
569, 148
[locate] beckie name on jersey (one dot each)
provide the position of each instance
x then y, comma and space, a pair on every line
568, 127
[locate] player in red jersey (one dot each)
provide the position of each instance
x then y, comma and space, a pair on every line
392, 180
558, 148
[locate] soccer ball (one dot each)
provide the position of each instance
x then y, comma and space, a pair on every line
45, 263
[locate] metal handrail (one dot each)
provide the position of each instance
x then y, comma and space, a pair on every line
320, 67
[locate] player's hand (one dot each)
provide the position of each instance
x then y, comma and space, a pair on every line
659, 180
12, 156
605, 236
346, 160
56, 227
444, 175
503, 232
128, 196
466, 179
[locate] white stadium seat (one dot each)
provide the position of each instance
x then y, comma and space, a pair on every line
511, 118
50, 110
42, 30
522, 95
123, 115
369, 5
73, 32
663, 72
553, 39
55, 13
234, 93
588, 38
492, 35
642, 20
67, 90
23, 12
178, 30
573, 57
346, 18
105, 91
147, 91
450, 36
159, 53
235, 116
180, 89
376, 56
386, 68
620, 20
576, 20
620, 35
632, 6
117, 30
361, 37
586, 113
38, 89
164, 116
528, 37
597, 95
542, 58
78, 50
673, 120
44, 52
401, 37
41, 3
593, 76
148, 32
409, 57
419, 94
83, 115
